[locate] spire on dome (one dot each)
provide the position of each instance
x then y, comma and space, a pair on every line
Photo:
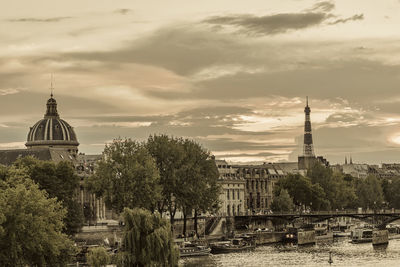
51, 86
51, 111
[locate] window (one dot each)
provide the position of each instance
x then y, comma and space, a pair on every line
233, 194
227, 194
238, 194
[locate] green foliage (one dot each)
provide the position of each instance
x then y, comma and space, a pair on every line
200, 175
30, 224
282, 202
147, 240
338, 188
98, 257
299, 188
392, 192
369, 192
61, 182
127, 176
188, 175
169, 154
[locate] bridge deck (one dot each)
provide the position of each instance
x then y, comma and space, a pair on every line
339, 213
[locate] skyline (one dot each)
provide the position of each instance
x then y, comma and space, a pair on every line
233, 76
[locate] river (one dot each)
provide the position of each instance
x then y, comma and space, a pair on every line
343, 254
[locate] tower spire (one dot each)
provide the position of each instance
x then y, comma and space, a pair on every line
308, 149
51, 86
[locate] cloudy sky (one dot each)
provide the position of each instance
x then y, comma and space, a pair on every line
231, 74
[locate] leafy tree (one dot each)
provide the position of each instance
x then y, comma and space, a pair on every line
147, 240
188, 176
31, 224
318, 198
369, 192
303, 191
282, 202
98, 257
127, 176
199, 183
169, 155
61, 182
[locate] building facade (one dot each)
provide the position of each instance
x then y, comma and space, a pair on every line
232, 196
260, 181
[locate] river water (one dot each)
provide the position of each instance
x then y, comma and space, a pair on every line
343, 254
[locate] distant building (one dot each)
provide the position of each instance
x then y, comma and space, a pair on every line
53, 139
232, 195
260, 181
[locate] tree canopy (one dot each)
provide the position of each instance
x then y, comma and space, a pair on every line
282, 202
188, 175
61, 182
127, 176
31, 224
147, 240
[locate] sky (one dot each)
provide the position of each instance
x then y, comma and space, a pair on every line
233, 75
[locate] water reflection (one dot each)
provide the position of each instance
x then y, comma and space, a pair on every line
343, 252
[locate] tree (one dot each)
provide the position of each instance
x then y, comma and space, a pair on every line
98, 257
303, 191
369, 192
338, 189
188, 176
147, 240
200, 176
31, 224
61, 182
282, 202
168, 153
127, 176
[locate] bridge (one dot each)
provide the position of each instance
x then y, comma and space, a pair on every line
380, 217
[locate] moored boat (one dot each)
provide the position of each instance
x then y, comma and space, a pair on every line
361, 235
233, 245
188, 249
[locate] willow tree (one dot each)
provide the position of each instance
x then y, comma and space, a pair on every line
127, 176
147, 240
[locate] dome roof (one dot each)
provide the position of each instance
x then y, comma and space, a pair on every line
51, 130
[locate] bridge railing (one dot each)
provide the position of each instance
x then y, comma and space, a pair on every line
331, 212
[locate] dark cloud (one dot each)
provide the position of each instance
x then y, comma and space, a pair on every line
270, 24
123, 11
324, 6
54, 19
34, 104
353, 18
183, 50
356, 80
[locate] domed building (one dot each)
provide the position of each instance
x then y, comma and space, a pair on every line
54, 139
52, 132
